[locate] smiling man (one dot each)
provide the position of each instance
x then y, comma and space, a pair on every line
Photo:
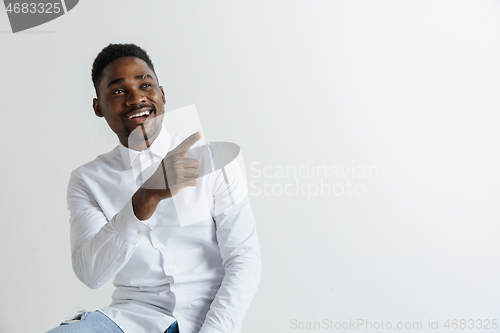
124, 110
124, 224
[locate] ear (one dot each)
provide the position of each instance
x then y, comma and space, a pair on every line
97, 107
163, 96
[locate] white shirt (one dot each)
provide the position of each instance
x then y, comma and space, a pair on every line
203, 275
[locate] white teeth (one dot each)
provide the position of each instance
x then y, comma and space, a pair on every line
145, 113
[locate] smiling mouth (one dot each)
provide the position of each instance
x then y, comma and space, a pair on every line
144, 113
141, 116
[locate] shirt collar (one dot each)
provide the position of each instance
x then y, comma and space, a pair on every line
159, 148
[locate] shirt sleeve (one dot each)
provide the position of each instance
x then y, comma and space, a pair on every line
239, 249
100, 248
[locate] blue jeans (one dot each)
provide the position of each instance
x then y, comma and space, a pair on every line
96, 322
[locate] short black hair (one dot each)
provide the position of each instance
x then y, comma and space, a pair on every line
116, 51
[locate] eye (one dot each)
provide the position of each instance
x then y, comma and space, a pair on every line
117, 91
147, 85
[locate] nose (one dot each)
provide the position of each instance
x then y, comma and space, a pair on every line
135, 97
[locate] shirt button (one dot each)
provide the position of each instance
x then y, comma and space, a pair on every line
176, 286
119, 259
158, 243
177, 314
170, 270
140, 232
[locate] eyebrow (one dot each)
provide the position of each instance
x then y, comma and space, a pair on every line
138, 77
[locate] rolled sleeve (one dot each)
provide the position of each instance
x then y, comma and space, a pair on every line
128, 225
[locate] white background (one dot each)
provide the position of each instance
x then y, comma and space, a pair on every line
410, 87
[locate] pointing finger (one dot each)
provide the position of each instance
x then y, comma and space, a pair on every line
185, 145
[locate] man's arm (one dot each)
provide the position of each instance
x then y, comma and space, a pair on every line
239, 249
101, 248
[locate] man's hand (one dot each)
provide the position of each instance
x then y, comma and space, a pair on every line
175, 173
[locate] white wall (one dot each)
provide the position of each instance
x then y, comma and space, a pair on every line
408, 88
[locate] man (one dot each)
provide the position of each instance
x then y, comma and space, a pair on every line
124, 224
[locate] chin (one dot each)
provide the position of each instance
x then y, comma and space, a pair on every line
136, 137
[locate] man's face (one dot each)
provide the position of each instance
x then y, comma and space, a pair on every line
130, 96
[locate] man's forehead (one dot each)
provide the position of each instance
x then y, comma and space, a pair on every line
128, 67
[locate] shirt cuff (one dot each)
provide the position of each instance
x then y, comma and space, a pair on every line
128, 225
